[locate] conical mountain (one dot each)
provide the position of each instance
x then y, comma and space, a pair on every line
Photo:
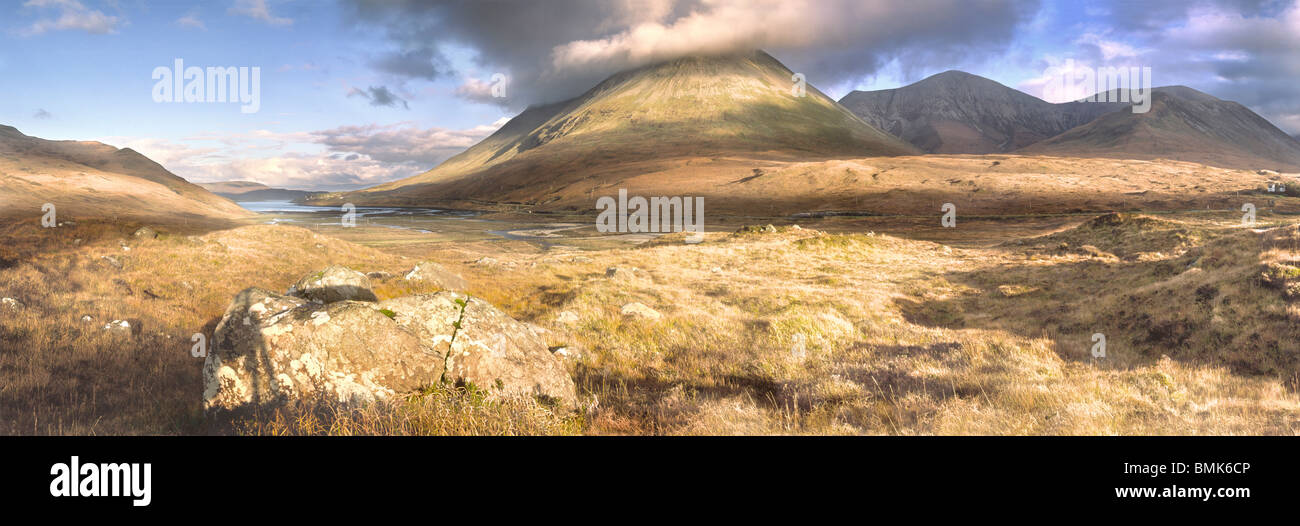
694, 110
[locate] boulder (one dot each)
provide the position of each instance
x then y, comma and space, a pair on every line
491, 350
431, 272
333, 284
566, 318
145, 232
270, 348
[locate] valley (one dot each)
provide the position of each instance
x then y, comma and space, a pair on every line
950, 257
835, 325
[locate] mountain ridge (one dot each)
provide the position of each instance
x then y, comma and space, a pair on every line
93, 179
955, 112
1182, 124
253, 191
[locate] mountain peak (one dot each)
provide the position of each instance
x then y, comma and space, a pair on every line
957, 112
693, 109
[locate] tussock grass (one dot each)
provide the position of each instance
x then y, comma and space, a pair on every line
772, 331
907, 338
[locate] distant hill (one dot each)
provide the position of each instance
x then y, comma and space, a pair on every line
251, 191
91, 179
957, 112
1183, 124
694, 117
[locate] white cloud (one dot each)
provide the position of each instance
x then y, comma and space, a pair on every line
479, 90
72, 15
1110, 49
258, 10
191, 20
556, 49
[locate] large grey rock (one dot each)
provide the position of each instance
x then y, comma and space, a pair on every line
491, 350
429, 271
333, 284
270, 348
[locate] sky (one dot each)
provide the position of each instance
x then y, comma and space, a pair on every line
354, 93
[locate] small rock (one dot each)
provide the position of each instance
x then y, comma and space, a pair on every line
10, 303
379, 275
87, 318
620, 273
145, 232
436, 274
118, 326
566, 318
565, 352
639, 310
335, 283
538, 330
486, 261
716, 270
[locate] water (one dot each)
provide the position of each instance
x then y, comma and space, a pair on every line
289, 207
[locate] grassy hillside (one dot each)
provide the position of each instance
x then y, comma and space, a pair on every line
94, 180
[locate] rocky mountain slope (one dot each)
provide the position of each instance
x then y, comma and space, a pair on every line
957, 112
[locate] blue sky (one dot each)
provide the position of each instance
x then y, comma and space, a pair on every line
357, 92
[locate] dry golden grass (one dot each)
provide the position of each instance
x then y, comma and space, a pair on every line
60, 375
441, 411
791, 332
807, 332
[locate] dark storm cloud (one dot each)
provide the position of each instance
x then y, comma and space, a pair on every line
425, 63
1154, 15
556, 49
1232, 54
